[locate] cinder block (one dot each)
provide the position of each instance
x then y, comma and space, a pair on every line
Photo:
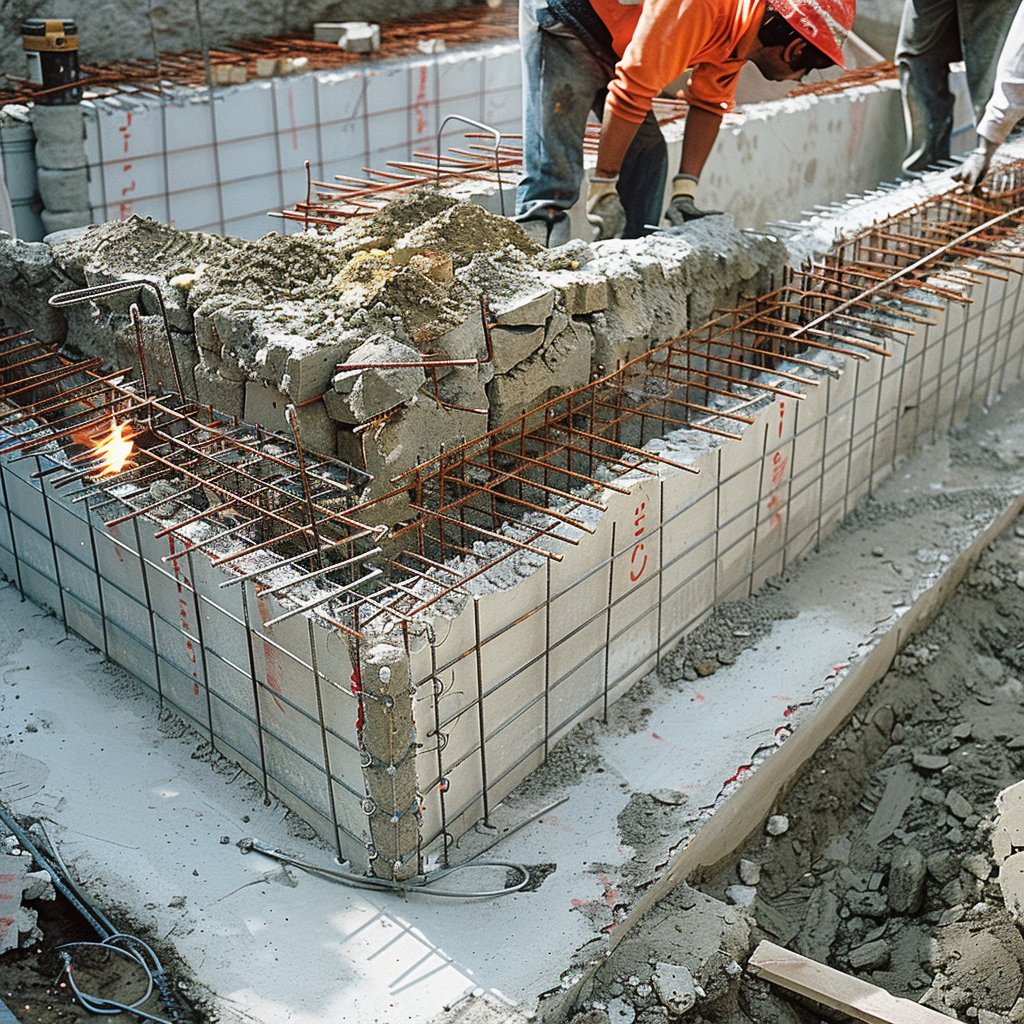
266, 405
64, 191
513, 345
222, 75
561, 365
527, 309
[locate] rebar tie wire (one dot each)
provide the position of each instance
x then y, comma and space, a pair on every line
420, 883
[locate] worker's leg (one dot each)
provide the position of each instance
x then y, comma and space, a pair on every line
983, 28
560, 79
928, 40
642, 179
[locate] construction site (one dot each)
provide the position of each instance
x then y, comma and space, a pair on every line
402, 622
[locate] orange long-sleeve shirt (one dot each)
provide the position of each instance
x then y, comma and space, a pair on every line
661, 39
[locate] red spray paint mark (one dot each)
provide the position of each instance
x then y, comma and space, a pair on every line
421, 101
655, 736
270, 654
743, 768
639, 515
357, 689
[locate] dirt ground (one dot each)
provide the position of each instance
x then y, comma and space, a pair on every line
35, 987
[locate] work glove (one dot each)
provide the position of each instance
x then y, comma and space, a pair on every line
973, 169
683, 206
604, 208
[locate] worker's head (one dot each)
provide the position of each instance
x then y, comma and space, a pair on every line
798, 36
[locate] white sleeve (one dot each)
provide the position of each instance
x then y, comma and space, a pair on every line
1006, 107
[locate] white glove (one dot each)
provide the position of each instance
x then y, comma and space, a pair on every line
975, 167
604, 208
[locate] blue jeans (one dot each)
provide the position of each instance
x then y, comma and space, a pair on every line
563, 81
932, 34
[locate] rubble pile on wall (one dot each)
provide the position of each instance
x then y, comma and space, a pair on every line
258, 326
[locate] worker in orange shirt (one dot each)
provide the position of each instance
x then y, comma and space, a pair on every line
614, 57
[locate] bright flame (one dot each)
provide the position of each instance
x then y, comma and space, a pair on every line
115, 448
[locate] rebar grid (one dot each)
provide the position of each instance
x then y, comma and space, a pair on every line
527, 489
250, 498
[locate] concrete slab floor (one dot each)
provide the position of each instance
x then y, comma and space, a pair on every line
148, 820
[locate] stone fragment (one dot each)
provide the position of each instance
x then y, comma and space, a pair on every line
977, 864
777, 825
706, 668
310, 367
870, 957
39, 886
528, 310
991, 670
958, 804
884, 719
226, 396
228, 74
962, 730
670, 797
511, 345
741, 895
582, 293
952, 893
930, 762
907, 873
674, 986
867, 904
749, 872
465, 341
821, 923
369, 391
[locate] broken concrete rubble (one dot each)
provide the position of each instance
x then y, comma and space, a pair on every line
260, 325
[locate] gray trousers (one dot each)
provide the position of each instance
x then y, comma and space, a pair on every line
932, 34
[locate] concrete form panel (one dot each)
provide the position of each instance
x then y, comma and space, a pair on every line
199, 206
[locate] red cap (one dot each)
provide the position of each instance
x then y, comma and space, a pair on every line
825, 23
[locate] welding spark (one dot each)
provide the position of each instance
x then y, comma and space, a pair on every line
115, 448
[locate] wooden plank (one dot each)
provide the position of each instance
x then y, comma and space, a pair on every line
825, 985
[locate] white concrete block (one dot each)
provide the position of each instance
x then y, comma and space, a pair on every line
462, 81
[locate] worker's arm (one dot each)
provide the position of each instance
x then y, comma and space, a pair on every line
616, 136
701, 131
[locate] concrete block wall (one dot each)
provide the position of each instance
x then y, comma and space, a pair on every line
226, 162
130, 31
484, 690
580, 632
